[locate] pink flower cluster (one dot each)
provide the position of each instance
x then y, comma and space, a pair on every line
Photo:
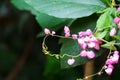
85, 39
113, 59
88, 40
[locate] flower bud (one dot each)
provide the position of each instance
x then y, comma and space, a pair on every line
67, 34
115, 58
91, 44
109, 61
113, 32
116, 20
118, 9
74, 36
83, 53
109, 71
66, 29
116, 52
90, 54
71, 61
88, 32
82, 34
46, 31
53, 32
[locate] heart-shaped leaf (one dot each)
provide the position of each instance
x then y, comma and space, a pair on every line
67, 8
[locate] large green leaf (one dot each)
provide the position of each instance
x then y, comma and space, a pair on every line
49, 21
71, 47
43, 19
67, 8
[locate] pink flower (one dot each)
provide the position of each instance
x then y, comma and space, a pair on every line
109, 61
82, 34
109, 71
66, 29
67, 34
90, 54
116, 52
88, 32
118, 9
46, 31
83, 53
113, 32
91, 44
115, 58
74, 36
116, 20
53, 32
71, 61
82, 43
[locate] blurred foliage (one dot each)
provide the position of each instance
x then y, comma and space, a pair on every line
15, 29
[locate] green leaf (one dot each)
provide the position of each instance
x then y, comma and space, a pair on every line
101, 34
49, 21
109, 45
104, 21
20, 4
71, 47
43, 19
117, 37
67, 8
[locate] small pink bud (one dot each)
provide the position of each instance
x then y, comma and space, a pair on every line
46, 31
110, 66
86, 39
118, 9
71, 61
83, 53
67, 34
91, 44
53, 32
109, 61
116, 20
66, 29
81, 41
74, 36
109, 71
116, 52
82, 34
113, 32
90, 54
105, 67
83, 46
88, 32
115, 58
